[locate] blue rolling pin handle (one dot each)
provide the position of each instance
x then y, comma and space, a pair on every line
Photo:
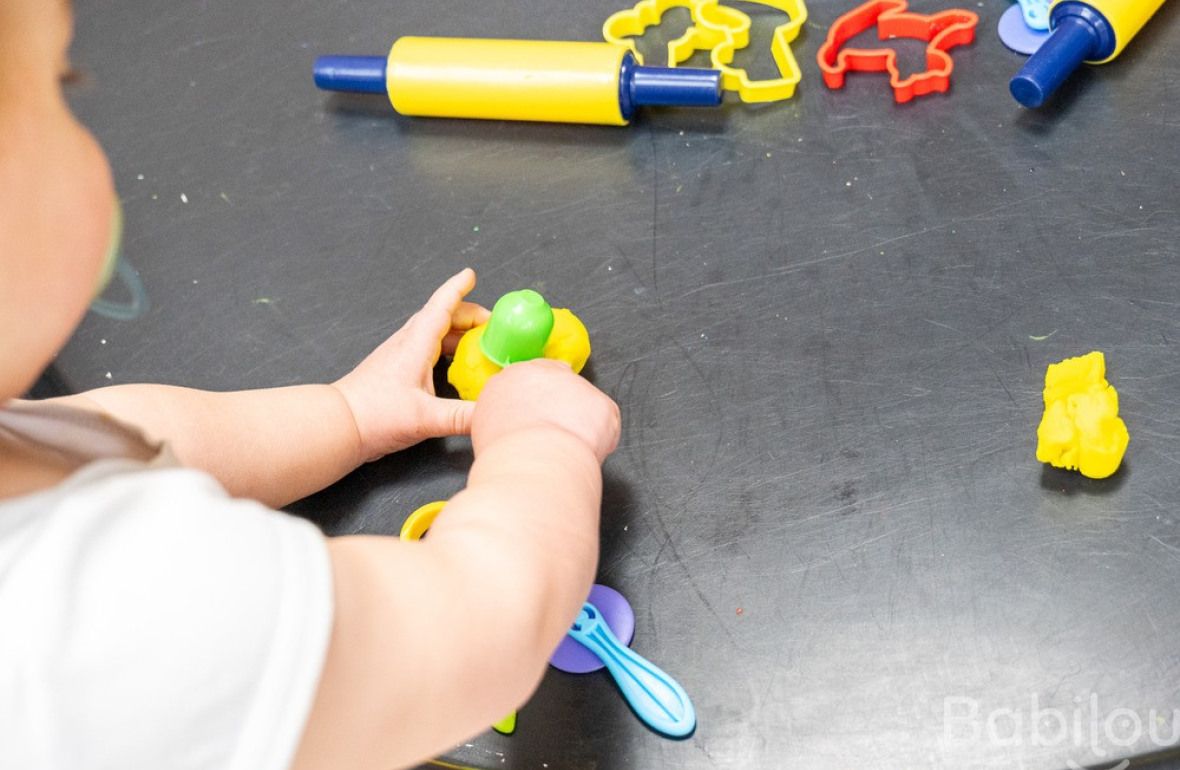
676, 87
359, 74
1079, 34
666, 87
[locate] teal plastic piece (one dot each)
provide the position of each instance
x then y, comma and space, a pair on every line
518, 329
656, 698
1036, 14
116, 265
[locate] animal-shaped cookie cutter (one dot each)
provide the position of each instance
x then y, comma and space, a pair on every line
721, 31
942, 31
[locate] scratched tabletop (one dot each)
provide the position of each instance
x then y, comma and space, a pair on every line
826, 321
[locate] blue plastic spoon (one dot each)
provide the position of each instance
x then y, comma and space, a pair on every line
656, 698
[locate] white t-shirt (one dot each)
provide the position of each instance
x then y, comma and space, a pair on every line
148, 621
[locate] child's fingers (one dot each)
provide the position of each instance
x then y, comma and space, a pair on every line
448, 297
451, 342
466, 317
469, 315
429, 324
448, 417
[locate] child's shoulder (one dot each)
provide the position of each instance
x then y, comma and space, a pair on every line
42, 443
129, 587
77, 469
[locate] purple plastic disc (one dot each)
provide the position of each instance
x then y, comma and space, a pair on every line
571, 657
1017, 35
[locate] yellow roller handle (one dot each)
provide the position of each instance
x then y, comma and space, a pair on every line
559, 82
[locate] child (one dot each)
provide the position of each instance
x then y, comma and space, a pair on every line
155, 613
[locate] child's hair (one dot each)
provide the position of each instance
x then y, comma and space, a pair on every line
73, 76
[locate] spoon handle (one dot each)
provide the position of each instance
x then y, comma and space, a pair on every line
656, 698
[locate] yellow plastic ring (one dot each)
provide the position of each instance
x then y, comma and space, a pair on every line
420, 520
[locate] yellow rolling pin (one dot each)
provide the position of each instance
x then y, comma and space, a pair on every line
557, 82
1095, 31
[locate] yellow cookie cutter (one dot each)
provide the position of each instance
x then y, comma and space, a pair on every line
721, 31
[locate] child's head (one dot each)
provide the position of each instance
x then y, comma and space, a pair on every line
57, 199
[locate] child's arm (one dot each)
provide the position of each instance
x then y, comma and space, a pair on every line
280, 444
435, 640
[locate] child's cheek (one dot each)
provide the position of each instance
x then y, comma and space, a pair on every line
99, 217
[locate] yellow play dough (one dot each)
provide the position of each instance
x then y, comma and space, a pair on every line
470, 370
1081, 428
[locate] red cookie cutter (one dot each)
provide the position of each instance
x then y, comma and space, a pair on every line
942, 31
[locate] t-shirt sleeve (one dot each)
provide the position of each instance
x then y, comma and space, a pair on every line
148, 620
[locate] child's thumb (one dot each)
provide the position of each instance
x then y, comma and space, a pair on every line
449, 417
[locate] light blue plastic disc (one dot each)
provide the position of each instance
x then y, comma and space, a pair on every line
1017, 35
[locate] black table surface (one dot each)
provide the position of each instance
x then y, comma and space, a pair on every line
826, 321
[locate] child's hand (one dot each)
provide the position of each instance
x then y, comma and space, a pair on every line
546, 393
391, 392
